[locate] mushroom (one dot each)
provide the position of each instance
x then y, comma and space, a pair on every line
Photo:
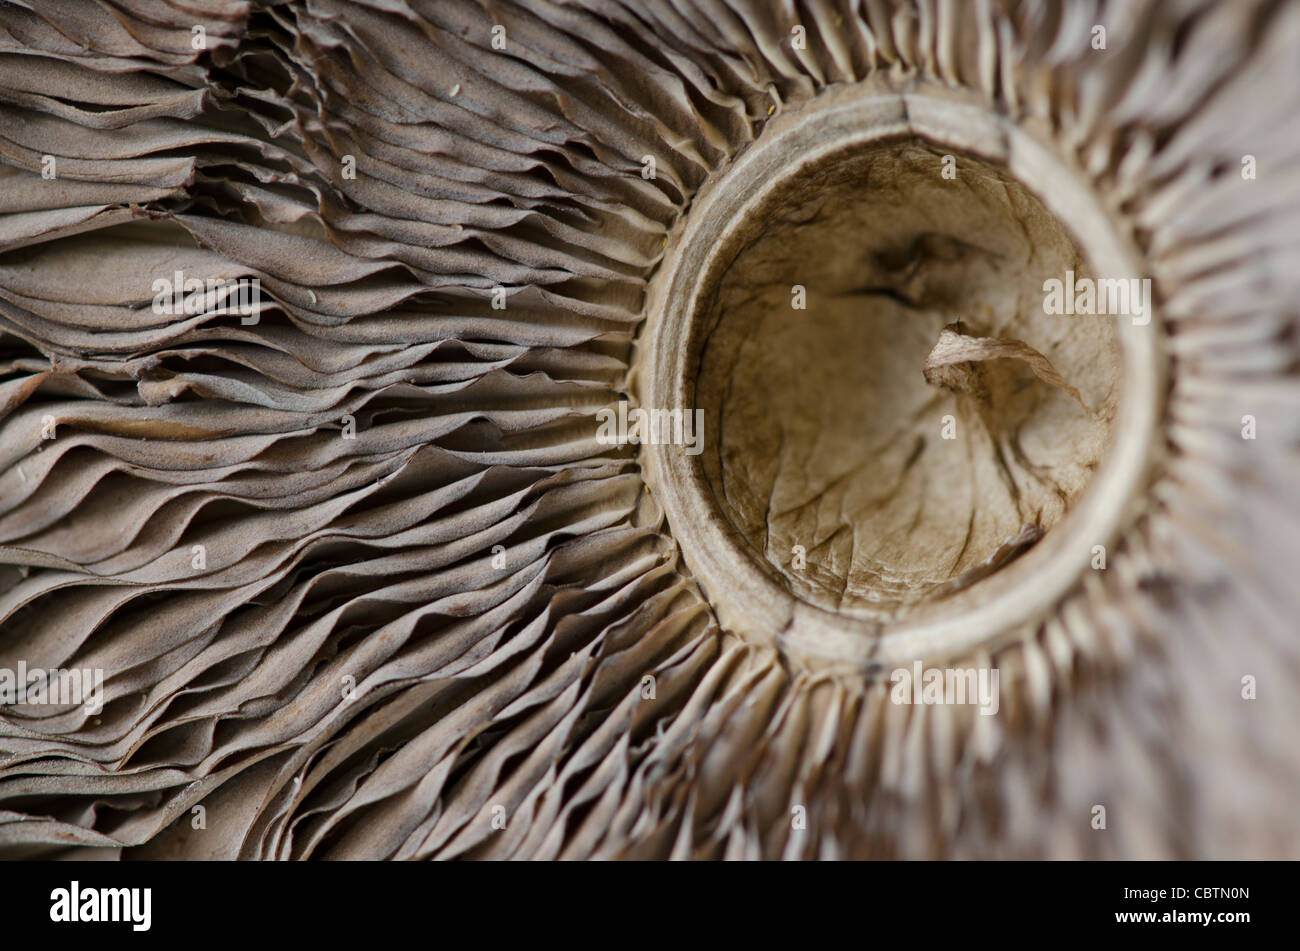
309, 313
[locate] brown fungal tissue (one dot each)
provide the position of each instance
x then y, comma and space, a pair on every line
826, 408
343, 508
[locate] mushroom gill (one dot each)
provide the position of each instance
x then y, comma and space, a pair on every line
310, 313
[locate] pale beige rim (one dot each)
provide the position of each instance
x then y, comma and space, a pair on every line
746, 592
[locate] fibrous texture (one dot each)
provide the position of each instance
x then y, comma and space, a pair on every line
362, 580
